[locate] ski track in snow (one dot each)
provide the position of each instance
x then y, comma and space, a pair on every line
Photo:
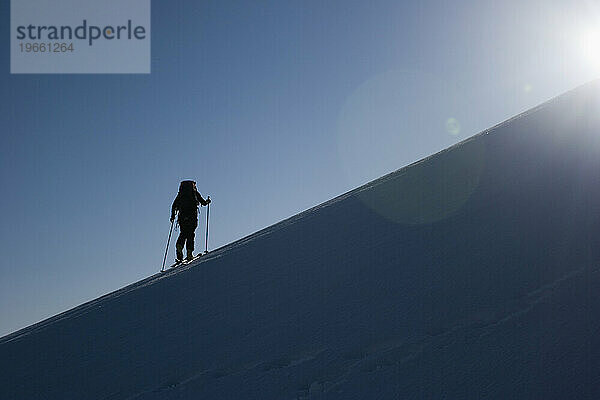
388, 356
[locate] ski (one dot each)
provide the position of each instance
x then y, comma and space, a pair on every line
176, 264
185, 262
197, 256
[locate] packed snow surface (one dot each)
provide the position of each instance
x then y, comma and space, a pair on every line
472, 274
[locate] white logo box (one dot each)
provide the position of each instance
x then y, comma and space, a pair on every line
80, 36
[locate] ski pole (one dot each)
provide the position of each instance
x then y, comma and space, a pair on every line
207, 212
167, 250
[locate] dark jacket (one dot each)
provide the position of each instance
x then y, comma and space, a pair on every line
187, 202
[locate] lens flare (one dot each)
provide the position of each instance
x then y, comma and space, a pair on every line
589, 46
453, 126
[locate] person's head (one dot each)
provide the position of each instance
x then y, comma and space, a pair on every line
187, 186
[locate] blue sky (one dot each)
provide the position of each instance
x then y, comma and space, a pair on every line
272, 107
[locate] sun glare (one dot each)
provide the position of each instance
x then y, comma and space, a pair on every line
589, 45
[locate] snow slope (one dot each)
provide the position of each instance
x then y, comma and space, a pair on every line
471, 274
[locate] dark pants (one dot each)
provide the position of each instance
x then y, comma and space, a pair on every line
187, 231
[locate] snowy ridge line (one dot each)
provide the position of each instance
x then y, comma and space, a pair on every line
83, 308
78, 310
219, 252
376, 182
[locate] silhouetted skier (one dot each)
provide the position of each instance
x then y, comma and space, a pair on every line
186, 203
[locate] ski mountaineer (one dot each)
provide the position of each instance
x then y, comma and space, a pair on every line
186, 203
